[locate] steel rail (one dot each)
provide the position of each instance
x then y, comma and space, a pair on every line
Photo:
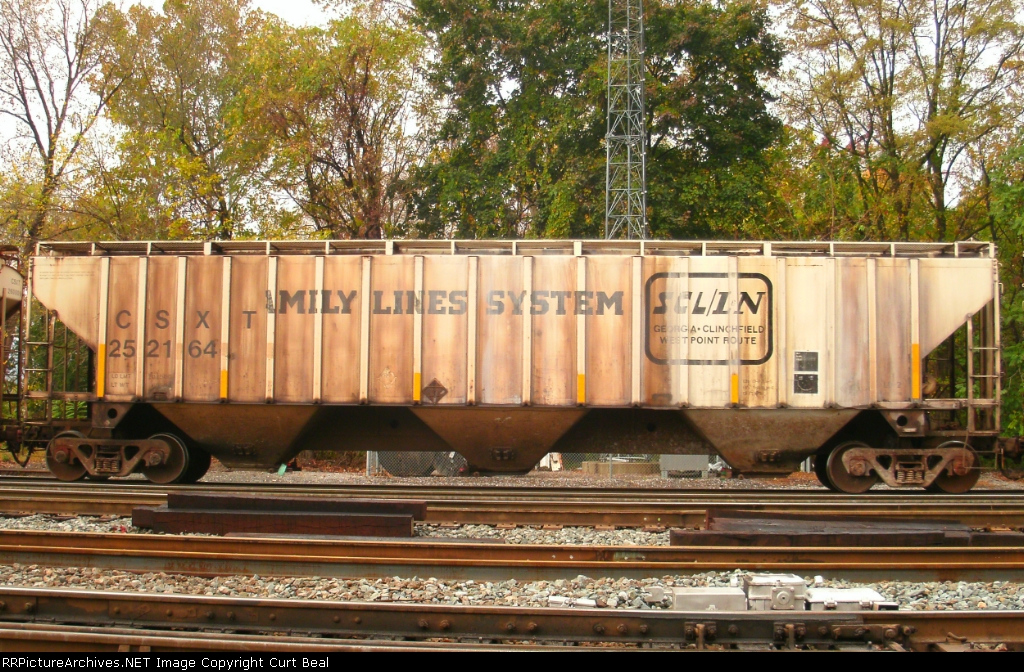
362, 558
50, 638
94, 609
629, 507
14, 472
471, 488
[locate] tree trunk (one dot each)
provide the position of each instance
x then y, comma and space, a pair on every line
36, 228
938, 196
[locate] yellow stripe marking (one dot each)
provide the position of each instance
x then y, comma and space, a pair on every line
735, 391
581, 388
417, 384
915, 371
101, 371
224, 384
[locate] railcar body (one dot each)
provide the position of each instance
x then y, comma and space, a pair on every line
765, 353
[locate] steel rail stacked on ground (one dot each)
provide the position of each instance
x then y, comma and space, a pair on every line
80, 609
481, 561
627, 507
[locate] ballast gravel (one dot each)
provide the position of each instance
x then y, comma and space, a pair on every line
48, 523
566, 536
104, 524
559, 479
582, 591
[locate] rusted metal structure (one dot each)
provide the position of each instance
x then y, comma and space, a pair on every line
226, 514
99, 620
490, 560
653, 509
765, 353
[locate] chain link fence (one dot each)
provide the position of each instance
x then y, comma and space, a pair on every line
405, 464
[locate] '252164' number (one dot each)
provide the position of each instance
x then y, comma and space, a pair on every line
196, 349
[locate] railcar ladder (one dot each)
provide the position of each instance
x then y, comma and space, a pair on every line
37, 407
11, 357
57, 387
983, 408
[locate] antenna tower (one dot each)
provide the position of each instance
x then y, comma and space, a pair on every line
625, 187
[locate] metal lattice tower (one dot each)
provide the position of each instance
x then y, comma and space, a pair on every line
625, 189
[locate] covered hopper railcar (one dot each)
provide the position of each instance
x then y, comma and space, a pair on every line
766, 353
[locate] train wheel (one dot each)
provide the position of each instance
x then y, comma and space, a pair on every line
176, 466
198, 464
841, 479
821, 470
68, 469
957, 484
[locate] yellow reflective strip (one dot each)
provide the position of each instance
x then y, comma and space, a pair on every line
915, 371
101, 370
417, 384
735, 396
581, 388
224, 384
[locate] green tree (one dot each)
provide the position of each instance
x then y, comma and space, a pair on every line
519, 149
1005, 219
711, 128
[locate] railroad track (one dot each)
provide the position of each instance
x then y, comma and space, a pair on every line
375, 558
50, 638
45, 619
469, 487
565, 506
14, 472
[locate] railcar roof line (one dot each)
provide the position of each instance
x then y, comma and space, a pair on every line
698, 248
